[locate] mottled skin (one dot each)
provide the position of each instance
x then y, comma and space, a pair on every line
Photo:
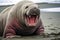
12, 20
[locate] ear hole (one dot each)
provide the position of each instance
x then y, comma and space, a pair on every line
26, 7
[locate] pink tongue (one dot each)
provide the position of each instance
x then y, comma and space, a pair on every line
31, 20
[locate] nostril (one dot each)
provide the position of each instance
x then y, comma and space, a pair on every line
34, 7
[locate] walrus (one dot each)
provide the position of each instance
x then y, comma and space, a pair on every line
21, 19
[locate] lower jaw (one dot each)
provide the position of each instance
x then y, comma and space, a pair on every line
32, 25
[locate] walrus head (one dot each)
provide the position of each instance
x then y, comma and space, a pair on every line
29, 14
32, 16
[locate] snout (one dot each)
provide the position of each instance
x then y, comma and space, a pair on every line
34, 11
32, 16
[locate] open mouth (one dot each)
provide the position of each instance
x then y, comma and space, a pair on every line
31, 20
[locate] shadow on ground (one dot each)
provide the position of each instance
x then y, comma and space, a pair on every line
33, 38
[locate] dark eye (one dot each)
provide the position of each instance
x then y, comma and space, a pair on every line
26, 7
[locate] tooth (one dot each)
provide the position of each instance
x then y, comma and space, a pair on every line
29, 16
37, 16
